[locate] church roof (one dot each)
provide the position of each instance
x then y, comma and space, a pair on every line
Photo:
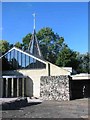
16, 58
34, 48
26, 53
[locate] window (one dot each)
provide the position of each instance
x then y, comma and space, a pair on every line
17, 60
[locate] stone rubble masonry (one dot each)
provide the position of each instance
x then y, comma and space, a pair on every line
54, 88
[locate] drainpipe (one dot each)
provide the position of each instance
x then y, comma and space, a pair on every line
48, 69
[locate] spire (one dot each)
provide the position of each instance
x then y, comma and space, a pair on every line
34, 48
34, 15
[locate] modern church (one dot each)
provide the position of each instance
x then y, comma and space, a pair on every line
27, 74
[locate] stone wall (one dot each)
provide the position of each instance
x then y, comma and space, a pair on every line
54, 88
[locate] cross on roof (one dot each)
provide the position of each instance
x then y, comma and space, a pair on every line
34, 15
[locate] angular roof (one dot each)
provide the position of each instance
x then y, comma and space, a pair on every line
26, 53
36, 58
34, 48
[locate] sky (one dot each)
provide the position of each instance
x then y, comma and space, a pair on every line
68, 19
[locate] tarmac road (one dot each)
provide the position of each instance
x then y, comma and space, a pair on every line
48, 109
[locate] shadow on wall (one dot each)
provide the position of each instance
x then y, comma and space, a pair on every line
79, 89
11, 73
29, 87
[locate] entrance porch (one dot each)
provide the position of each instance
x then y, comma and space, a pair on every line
13, 86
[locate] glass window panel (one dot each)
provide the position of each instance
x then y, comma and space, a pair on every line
19, 59
30, 62
34, 63
11, 62
8, 56
15, 55
38, 66
15, 59
23, 60
27, 61
12, 54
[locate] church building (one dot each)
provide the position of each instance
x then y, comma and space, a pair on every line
22, 70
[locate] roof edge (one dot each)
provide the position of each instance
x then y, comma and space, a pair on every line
24, 52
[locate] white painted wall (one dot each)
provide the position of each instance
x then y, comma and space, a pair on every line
55, 70
35, 75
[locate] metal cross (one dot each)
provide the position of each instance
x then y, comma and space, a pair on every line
34, 15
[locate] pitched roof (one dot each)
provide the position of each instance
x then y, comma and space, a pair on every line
26, 53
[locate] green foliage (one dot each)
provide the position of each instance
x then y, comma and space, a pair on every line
4, 46
11, 46
67, 58
26, 41
18, 45
50, 43
84, 64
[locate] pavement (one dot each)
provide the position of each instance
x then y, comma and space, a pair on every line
47, 109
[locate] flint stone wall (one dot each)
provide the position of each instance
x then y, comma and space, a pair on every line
54, 88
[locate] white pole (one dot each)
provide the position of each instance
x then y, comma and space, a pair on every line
22, 87
17, 87
6, 87
12, 90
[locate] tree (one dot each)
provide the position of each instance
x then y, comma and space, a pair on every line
67, 58
4, 46
56, 51
26, 41
19, 45
87, 62
11, 46
50, 43
84, 65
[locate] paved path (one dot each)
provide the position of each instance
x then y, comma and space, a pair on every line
48, 109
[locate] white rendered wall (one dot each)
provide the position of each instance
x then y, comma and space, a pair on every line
35, 75
55, 70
